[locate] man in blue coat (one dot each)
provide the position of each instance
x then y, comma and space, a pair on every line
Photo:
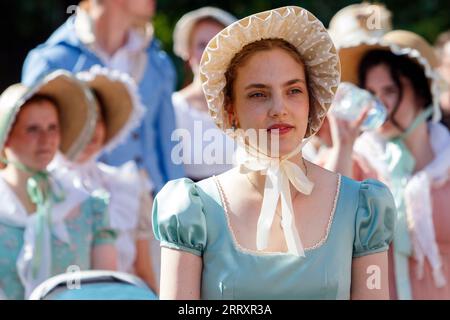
117, 34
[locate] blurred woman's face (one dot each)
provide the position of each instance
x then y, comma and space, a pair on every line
271, 94
379, 82
35, 137
97, 141
201, 34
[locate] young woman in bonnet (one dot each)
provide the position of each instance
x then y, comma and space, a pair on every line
47, 225
410, 153
191, 35
119, 112
277, 226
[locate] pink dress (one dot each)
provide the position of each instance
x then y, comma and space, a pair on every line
424, 288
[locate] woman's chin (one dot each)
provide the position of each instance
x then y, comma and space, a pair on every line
41, 162
39, 165
388, 131
283, 149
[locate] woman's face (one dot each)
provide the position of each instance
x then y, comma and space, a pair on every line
380, 83
97, 141
270, 93
201, 34
34, 138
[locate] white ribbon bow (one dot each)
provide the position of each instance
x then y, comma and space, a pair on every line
279, 173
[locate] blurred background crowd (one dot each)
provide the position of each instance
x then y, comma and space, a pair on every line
123, 145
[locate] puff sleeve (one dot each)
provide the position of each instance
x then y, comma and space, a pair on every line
178, 217
375, 219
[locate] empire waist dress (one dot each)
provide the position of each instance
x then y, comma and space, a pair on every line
192, 217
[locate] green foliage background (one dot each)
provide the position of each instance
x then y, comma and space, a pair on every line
26, 23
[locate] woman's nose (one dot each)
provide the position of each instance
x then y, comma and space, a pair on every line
383, 100
47, 135
278, 106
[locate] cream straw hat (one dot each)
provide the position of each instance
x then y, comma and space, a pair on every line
75, 103
120, 101
360, 21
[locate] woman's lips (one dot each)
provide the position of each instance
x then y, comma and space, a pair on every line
280, 129
44, 152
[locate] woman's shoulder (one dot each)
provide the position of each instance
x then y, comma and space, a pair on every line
375, 218
179, 101
187, 102
127, 174
230, 176
353, 193
323, 179
178, 217
186, 192
75, 198
370, 207
330, 178
7, 196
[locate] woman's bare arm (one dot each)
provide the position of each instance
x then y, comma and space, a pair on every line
180, 275
370, 277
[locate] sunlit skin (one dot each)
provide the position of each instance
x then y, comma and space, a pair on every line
113, 19
35, 136
380, 83
142, 10
271, 96
96, 143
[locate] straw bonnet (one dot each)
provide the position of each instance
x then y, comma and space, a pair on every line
400, 43
119, 99
359, 21
75, 103
292, 24
184, 27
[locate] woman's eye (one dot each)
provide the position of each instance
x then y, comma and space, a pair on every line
295, 91
32, 129
391, 91
53, 128
256, 95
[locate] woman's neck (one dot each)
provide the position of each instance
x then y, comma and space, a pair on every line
17, 180
194, 95
15, 177
418, 143
195, 87
259, 180
111, 28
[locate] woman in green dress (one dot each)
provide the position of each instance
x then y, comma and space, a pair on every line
47, 226
276, 226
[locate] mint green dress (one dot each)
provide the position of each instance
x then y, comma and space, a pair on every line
190, 217
88, 228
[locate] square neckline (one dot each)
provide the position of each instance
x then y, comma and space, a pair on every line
251, 252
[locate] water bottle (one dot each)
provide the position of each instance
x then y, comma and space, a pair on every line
351, 100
